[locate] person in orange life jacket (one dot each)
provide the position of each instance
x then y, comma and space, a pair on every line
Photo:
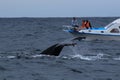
85, 24
88, 25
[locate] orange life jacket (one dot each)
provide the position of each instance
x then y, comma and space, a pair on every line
83, 25
88, 25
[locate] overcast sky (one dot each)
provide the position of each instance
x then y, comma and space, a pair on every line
59, 8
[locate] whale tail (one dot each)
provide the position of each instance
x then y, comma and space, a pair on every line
55, 49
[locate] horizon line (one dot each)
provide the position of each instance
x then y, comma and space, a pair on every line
59, 17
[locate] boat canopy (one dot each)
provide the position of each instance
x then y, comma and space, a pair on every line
117, 21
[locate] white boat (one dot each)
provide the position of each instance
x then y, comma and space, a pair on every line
109, 32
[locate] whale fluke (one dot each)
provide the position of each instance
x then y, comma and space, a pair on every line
55, 49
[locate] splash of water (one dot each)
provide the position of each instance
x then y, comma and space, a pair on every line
98, 56
118, 58
76, 52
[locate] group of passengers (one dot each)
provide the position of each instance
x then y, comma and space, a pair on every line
85, 24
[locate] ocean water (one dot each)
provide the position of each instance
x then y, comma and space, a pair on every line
88, 60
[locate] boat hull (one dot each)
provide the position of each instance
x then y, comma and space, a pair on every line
94, 36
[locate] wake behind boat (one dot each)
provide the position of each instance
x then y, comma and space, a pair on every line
109, 32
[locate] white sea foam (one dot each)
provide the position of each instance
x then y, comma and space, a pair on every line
98, 56
117, 58
11, 57
35, 56
81, 57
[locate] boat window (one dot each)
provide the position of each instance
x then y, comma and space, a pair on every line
109, 25
102, 31
115, 30
89, 30
119, 26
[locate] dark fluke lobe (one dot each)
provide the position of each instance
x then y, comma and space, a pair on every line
56, 49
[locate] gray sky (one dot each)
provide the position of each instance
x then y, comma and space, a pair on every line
59, 8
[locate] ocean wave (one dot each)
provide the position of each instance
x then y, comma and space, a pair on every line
99, 56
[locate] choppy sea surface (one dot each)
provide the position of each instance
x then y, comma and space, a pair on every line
88, 60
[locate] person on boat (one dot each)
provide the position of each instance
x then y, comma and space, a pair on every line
75, 22
85, 25
88, 25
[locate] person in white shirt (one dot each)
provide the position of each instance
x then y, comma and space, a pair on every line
74, 22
